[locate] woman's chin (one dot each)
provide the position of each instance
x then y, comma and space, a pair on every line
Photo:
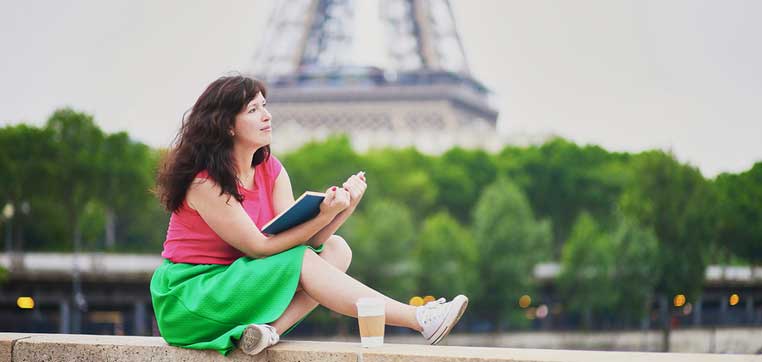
262, 142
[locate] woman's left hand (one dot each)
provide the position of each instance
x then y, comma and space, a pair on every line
356, 186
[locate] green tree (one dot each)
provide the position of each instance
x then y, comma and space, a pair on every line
677, 203
740, 213
79, 143
608, 273
382, 238
561, 179
144, 224
125, 174
447, 256
510, 242
461, 175
636, 270
402, 175
3, 275
318, 165
92, 224
25, 167
587, 281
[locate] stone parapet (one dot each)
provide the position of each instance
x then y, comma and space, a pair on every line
20, 347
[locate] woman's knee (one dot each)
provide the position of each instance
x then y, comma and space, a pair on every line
309, 263
338, 248
309, 258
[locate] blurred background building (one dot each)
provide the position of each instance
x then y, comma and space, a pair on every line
99, 293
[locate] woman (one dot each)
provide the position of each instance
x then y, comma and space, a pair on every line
224, 281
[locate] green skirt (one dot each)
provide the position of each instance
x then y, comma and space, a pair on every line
207, 306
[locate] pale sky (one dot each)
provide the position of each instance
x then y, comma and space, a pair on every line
683, 75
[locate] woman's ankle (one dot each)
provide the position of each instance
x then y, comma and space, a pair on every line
416, 324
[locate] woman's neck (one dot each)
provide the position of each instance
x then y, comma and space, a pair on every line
243, 157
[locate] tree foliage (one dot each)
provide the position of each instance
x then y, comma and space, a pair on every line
66, 178
624, 227
446, 255
382, 239
26, 168
316, 166
562, 179
510, 242
587, 279
740, 213
637, 268
461, 176
608, 272
676, 202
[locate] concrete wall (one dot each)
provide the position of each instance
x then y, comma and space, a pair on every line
726, 340
67, 347
704, 340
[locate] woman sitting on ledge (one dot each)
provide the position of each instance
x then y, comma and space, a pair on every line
223, 280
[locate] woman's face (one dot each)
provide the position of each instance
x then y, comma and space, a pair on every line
252, 124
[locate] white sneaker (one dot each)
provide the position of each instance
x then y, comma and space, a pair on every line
438, 317
257, 337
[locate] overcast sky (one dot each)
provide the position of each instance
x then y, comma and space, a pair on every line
683, 75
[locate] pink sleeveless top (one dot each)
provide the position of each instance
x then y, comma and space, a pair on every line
189, 238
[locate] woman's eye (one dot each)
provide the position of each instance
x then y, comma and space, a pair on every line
252, 110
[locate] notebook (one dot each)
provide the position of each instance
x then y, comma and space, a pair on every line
305, 208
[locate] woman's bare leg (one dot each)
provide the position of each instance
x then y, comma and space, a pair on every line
300, 306
337, 253
338, 292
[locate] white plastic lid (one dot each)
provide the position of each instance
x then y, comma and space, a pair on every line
370, 306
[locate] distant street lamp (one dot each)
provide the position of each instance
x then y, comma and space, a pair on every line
8, 212
25, 207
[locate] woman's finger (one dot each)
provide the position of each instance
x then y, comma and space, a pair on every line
330, 194
354, 191
359, 186
356, 182
349, 179
348, 187
344, 195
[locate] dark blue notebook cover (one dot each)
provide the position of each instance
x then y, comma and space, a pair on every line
305, 208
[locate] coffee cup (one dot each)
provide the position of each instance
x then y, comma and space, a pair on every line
372, 320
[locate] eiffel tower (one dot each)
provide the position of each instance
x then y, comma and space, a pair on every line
387, 73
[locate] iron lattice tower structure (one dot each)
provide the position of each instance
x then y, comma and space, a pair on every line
417, 91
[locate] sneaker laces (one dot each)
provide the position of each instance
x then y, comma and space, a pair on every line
431, 310
434, 302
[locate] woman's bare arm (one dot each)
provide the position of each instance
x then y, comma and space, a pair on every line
323, 234
283, 193
226, 216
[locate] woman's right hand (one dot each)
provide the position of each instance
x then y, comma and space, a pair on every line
336, 200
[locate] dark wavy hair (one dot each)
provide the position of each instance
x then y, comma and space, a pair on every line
204, 141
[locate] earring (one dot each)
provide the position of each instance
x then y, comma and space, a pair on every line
232, 133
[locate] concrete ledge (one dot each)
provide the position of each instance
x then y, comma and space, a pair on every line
66, 347
7, 341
